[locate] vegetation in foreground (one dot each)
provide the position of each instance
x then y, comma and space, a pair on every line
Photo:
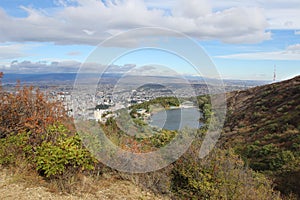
263, 126
37, 137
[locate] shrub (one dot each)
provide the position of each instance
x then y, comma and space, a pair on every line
163, 138
221, 175
282, 159
256, 115
28, 110
14, 148
64, 154
272, 127
268, 149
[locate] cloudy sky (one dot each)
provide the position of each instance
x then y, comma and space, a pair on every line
244, 39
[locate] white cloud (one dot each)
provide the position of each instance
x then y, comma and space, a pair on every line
166, 4
294, 48
284, 18
297, 32
193, 8
74, 53
91, 21
151, 70
61, 66
40, 67
279, 3
10, 51
290, 53
280, 14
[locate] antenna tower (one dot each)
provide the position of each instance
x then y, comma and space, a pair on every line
274, 77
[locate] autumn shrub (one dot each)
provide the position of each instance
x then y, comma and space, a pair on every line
221, 175
29, 110
36, 131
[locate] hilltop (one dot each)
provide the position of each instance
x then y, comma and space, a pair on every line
41, 149
263, 125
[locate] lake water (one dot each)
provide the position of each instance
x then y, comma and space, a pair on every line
176, 119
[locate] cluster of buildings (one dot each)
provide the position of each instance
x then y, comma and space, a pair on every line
100, 103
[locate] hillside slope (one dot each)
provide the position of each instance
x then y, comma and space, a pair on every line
13, 186
262, 125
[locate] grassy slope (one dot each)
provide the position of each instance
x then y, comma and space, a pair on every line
263, 125
29, 186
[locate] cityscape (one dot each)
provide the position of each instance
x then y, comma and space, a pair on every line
110, 97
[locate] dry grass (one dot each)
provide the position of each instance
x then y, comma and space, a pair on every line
28, 185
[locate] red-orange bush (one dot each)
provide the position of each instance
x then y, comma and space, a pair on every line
28, 110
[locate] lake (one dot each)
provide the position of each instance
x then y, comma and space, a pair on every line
176, 119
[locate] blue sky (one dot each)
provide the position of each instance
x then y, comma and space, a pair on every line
244, 39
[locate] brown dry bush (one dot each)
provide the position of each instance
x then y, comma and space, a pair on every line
28, 110
35, 131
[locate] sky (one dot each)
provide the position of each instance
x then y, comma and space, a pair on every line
244, 39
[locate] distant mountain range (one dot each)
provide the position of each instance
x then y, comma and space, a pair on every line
71, 77
12, 78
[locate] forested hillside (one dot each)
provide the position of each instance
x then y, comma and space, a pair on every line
263, 126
